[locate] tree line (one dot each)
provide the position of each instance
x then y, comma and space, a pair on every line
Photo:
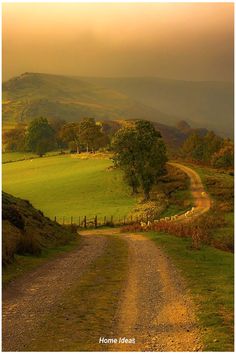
209, 149
42, 136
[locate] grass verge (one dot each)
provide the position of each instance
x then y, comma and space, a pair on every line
24, 264
88, 310
210, 276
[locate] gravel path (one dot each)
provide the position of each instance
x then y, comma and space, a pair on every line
202, 201
28, 300
155, 309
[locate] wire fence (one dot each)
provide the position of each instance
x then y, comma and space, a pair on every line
98, 221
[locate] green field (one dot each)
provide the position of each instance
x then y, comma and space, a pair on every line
65, 186
209, 273
18, 156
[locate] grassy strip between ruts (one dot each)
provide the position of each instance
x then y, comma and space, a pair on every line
24, 264
87, 311
210, 276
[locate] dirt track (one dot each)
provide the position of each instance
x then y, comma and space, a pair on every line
202, 201
155, 309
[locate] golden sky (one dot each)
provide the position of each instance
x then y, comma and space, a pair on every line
192, 41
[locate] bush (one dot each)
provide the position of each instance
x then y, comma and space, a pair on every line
200, 229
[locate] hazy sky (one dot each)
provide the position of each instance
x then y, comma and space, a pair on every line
182, 41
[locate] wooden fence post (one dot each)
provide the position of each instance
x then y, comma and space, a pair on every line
55, 219
71, 220
105, 220
85, 222
124, 220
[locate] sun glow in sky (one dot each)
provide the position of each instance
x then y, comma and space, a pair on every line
192, 41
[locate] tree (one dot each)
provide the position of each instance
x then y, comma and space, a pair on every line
14, 139
90, 134
201, 148
57, 125
124, 146
70, 133
193, 147
213, 143
224, 158
40, 136
140, 151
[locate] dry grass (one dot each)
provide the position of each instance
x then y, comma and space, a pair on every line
27, 231
200, 230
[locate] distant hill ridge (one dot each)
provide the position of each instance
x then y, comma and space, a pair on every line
202, 104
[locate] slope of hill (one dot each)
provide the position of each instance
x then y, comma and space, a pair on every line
174, 136
30, 95
27, 230
203, 104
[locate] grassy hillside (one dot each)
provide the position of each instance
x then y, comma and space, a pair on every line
27, 231
66, 186
31, 95
203, 104
69, 98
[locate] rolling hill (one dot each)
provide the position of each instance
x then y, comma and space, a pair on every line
30, 95
202, 104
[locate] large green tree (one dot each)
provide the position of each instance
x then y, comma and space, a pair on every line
140, 151
40, 136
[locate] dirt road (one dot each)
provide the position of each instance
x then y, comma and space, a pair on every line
29, 299
154, 307
202, 201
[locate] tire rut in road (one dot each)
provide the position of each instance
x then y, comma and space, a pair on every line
156, 309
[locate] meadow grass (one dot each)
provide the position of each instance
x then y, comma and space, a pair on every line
16, 156
64, 186
209, 273
19, 156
